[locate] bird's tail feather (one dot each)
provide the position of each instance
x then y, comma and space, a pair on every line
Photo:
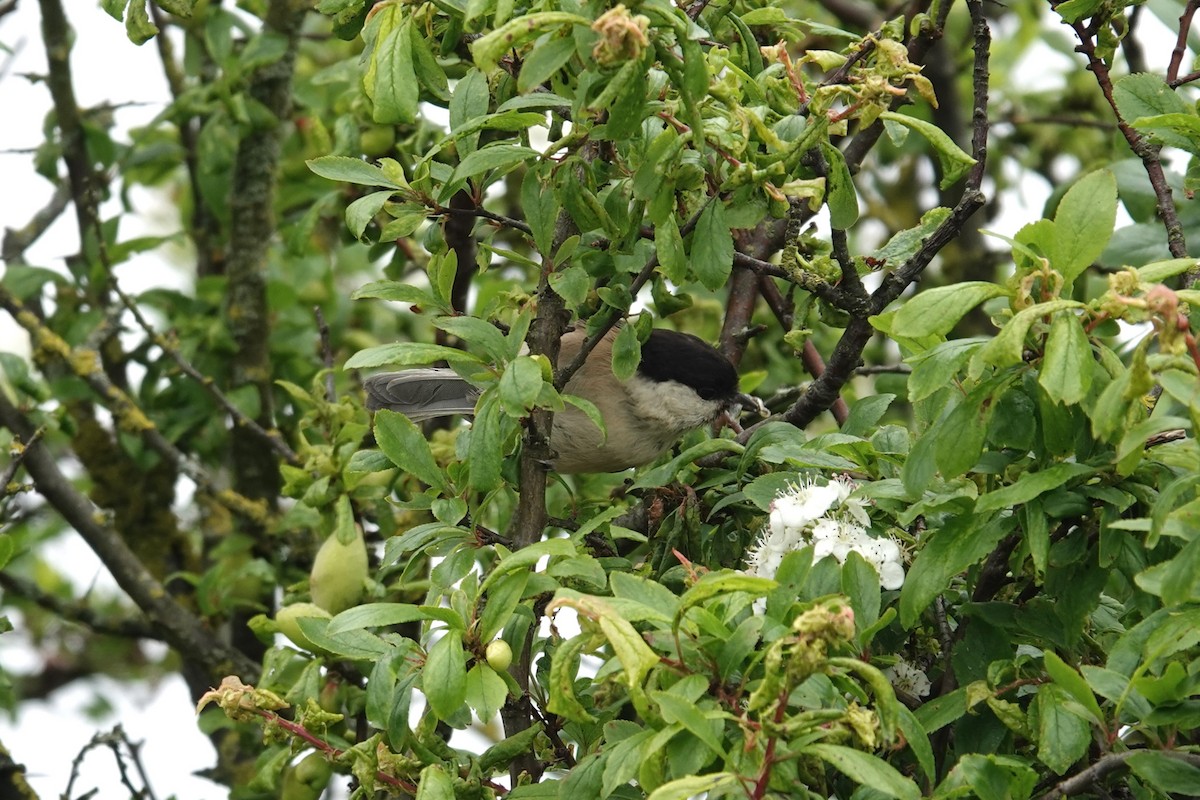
421, 394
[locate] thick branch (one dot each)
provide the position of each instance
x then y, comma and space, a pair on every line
174, 624
252, 230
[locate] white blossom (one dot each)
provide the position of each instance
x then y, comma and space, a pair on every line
833, 522
907, 678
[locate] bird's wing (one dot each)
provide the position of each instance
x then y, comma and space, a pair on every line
421, 394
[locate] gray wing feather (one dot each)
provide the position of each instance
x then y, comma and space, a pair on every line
421, 394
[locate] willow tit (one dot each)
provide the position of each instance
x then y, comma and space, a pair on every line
681, 384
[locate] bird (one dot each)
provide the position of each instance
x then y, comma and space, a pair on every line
681, 384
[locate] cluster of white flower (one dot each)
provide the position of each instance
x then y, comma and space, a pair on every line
907, 678
833, 522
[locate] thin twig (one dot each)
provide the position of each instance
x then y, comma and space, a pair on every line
326, 354
272, 438
1140, 145
17, 241
78, 612
1185, 28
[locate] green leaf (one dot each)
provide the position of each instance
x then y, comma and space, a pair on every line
351, 170
571, 284
1031, 485
468, 103
1007, 348
840, 195
543, 61
397, 292
475, 331
935, 312
1166, 772
138, 26
435, 784
485, 451
953, 161
375, 615
360, 213
866, 769
1075, 10
405, 446
1161, 270
694, 785
563, 701
1146, 94
918, 741
668, 245
684, 711
903, 245
502, 598
1063, 737
486, 691
520, 386
1083, 224
489, 49
1073, 683
712, 247
961, 434
429, 72
1066, 372
391, 79
408, 354
500, 157
1174, 130
963, 541
626, 353
444, 676
527, 557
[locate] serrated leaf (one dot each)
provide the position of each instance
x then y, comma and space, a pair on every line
626, 353
1073, 683
935, 312
1063, 737
953, 161
444, 676
404, 444
840, 194
520, 386
712, 247
392, 78
866, 769
408, 354
1006, 349
375, 615
360, 213
500, 157
1066, 372
486, 691
1031, 485
1083, 224
1146, 94
350, 170
543, 61
963, 541
489, 49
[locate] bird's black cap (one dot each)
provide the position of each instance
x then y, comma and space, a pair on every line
672, 356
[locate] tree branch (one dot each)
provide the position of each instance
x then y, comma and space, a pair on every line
174, 624
1140, 145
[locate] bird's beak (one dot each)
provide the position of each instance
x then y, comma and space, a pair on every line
743, 402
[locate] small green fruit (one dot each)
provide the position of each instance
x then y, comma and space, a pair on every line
499, 655
288, 619
338, 573
307, 780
